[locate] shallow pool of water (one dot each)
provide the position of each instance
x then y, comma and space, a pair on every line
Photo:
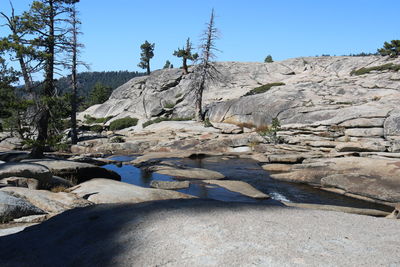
246, 170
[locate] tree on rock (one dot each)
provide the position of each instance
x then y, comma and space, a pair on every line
391, 49
268, 59
205, 72
186, 54
167, 65
146, 55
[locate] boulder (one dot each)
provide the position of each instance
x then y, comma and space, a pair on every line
395, 214
21, 182
360, 147
376, 178
26, 170
275, 167
109, 191
77, 172
168, 185
228, 128
12, 207
239, 187
187, 173
48, 201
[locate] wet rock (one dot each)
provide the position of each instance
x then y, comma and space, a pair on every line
46, 200
188, 173
25, 170
109, 191
168, 185
12, 207
239, 187
76, 171
13, 156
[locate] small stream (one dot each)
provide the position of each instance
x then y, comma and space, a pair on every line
246, 170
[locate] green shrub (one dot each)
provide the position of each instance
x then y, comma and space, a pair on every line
160, 119
169, 105
123, 123
264, 88
90, 120
269, 133
178, 95
96, 128
268, 59
389, 66
117, 139
207, 123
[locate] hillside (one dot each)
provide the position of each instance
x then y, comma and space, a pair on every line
87, 80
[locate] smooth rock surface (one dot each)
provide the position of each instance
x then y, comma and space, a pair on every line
12, 207
25, 170
204, 233
48, 201
188, 173
168, 185
77, 171
108, 191
239, 187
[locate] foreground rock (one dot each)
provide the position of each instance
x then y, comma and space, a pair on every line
374, 178
48, 201
108, 191
76, 171
233, 234
239, 187
12, 207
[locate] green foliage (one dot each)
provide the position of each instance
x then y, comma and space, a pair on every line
268, 59
167, 65
169, 105
160, 119
100, 94
186, 54
178, 95
146, 55
90, 120
117, 139
96, 128
269, 133
123, 123
207, 123
263, 88
391, 49
389, 67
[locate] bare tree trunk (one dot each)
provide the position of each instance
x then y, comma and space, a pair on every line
74, 133
184, 66
148, 67
44, 113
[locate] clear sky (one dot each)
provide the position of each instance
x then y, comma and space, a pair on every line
250, 30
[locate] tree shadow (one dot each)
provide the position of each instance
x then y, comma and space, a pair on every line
97, 235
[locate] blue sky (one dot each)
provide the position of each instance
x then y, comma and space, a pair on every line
250, 30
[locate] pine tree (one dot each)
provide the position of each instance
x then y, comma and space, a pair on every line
391, 49
186, 54
146, 55
268, 59
167, 65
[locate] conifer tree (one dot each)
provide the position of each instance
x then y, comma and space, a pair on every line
186, 54
145, 56
391, 49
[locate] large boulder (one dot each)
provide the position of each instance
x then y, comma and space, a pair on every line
187, 173
48, 201
376, 178
12, 207
108, 191
26, 170
77, 172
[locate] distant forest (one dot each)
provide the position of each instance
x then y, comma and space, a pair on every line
87, 81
